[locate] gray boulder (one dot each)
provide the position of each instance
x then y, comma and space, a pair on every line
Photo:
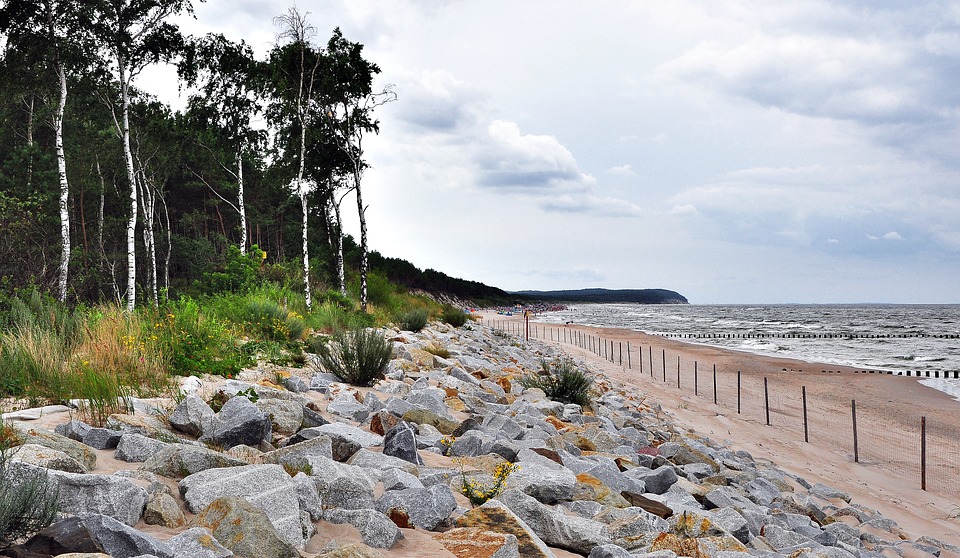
267, 487
361, 437
42, 456
101, 438
77, 450
375, 461
542, 478
88, 494
119, 539
180, 460
191, 416
346, 405
376, 529
286, 415
656, 481
427, 507
556, 528
238, 422
401, 441
340, 485
245, 529
321, 445
198, 542
609, 551
73, 429
137, 448
398, 479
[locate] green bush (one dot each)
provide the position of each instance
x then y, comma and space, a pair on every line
453, 316
414, 320
561, 381
27, 502
358, 357
192, 341
238, 275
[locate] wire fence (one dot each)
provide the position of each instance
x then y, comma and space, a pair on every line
924, 450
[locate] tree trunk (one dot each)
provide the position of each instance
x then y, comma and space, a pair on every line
338, 245
240, 205
362, 212
64, 188
30, 141
131, 176
166, 261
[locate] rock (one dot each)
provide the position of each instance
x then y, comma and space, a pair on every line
347, 406
163, 510
341, 485
631, 528
322, 445
471, 444
351, 551
652, 506
397, 479
557, 529
191, 416
180, 460
495, 516
376, 529
147, 425
286, 416
238, 422
88, 494
401, 441
67, 535
137, 448
101, 438
473, 542
657, 481
829, 493
43, 456
73, 429
198, 542
427, 507
312, 417
731, 522
77, 450
245, 529
609, 551
444, 424
372, 460
267, 487
542, 478
350, 433
383, 420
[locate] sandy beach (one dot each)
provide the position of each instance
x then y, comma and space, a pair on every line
889, 411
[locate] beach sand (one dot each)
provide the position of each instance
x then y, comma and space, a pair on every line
889, 408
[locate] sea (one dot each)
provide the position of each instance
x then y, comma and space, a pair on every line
883, 337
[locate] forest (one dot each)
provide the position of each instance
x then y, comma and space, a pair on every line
107, 194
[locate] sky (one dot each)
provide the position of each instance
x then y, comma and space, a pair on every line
743, 151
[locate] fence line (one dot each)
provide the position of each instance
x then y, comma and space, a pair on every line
926, 451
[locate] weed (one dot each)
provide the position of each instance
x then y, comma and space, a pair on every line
561, 381
414, 320
453, 316
28, 503
293, 469
478, 493
357, 357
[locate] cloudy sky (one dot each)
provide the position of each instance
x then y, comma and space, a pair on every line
742, 151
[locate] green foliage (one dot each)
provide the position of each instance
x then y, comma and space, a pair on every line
414, 319
562, 381
191, 341
358, 357
28, 503
453, 316
238, 275
268, 319
478, 493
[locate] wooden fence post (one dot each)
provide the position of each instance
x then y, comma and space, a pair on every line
766, 399
923, 453
806, 436
738, 392
696, 381
856, 446
714, 384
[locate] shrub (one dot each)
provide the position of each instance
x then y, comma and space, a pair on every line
453, 316
562, 381
414, 320
27, 502
478, 493
437, 350
191, 341
357, 357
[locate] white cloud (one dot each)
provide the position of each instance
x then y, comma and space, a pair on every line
622, 170
892, 235
685, 209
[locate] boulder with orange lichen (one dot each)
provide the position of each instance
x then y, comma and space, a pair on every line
473, 542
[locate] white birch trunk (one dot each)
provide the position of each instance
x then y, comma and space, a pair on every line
64, 188
131, 175
30, 142
166, 261
240, 205
149, 202
338, 246
362, 212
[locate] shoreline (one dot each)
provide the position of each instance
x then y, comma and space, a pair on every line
889, 408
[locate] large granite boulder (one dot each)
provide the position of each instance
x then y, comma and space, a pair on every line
401, 441
556, 528
427, 507
181, 460
245, 529
376, 529
239, 422
267, 487
192, 416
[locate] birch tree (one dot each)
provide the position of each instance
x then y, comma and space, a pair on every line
226, 77
135, 34
349, 103
295, 71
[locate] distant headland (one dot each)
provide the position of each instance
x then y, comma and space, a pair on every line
638, 296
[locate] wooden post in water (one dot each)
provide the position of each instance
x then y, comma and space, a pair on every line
923, 453
806, 435
856, 445
766, 399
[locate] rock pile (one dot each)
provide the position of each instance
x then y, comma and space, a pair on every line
257, 477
